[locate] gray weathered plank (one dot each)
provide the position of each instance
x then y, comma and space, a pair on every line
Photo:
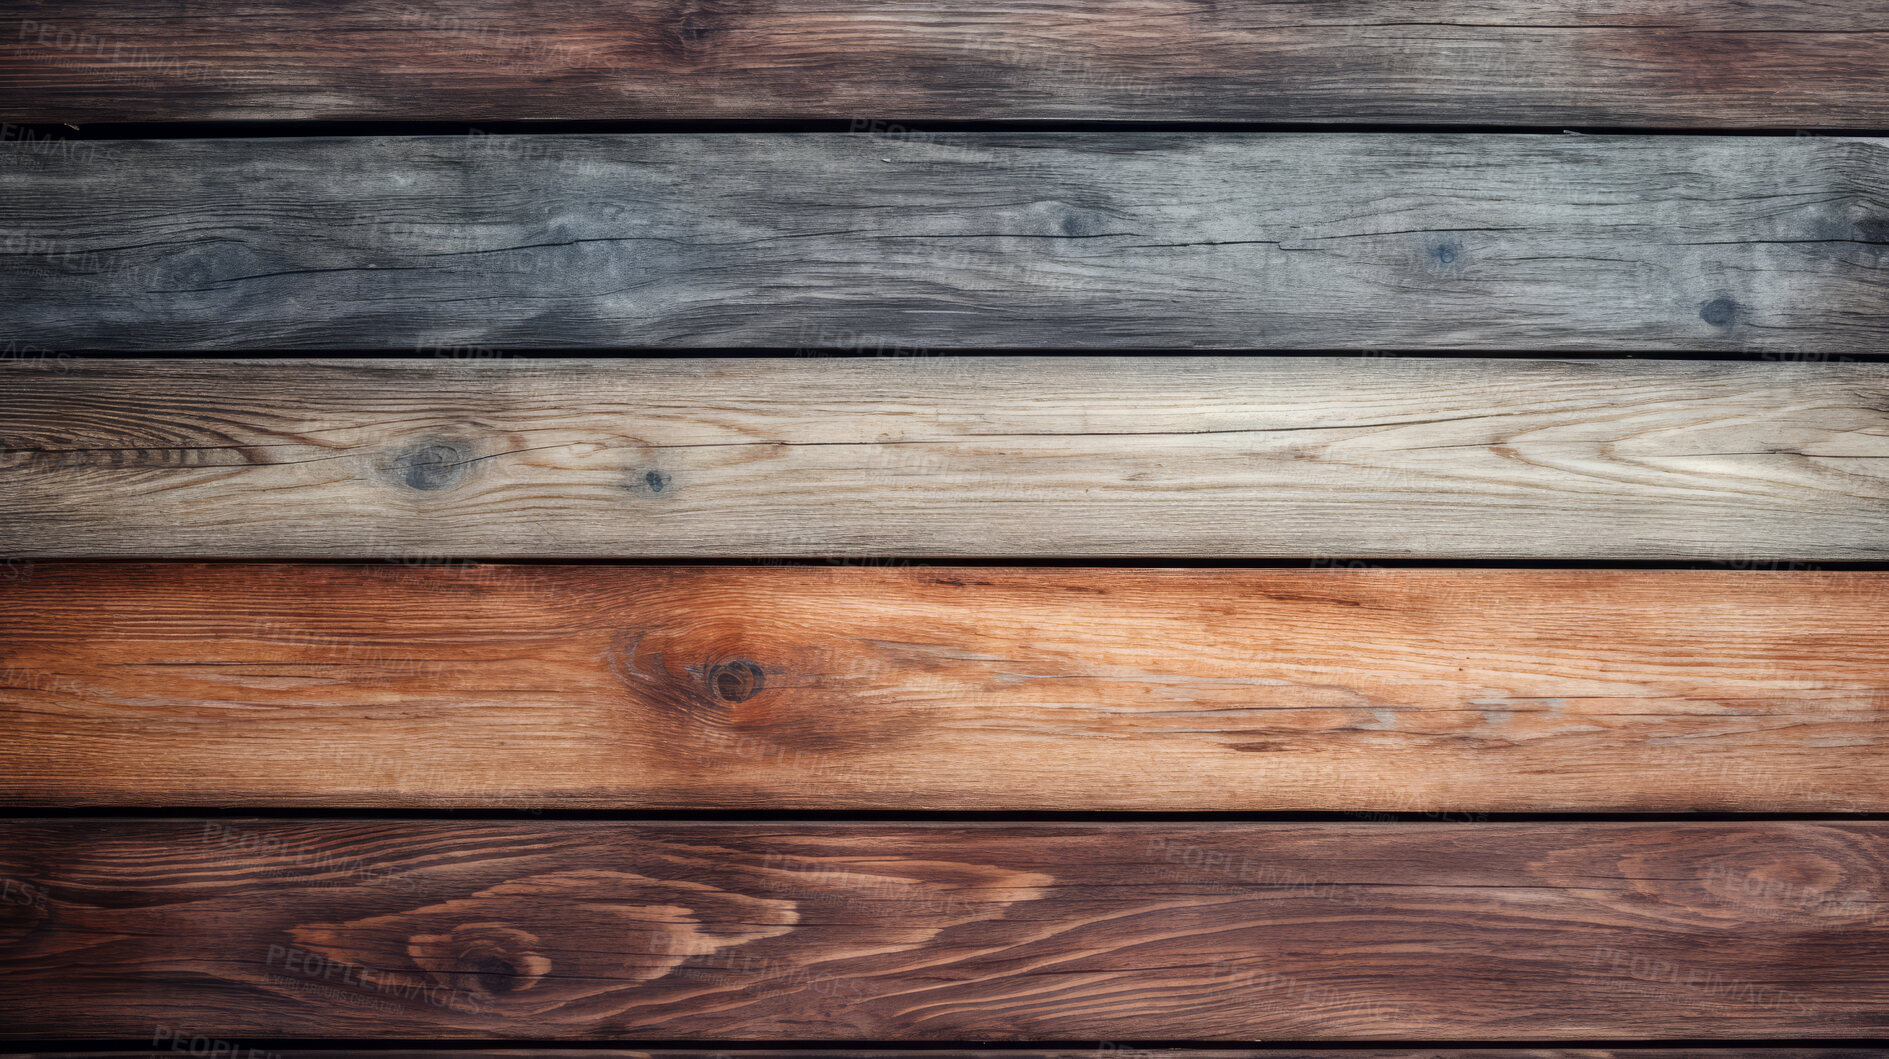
946, 456
1016, 240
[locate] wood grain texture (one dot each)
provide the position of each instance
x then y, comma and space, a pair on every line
175, 1041
1712, 63
744, 931
945, 688
964, 241
946, 456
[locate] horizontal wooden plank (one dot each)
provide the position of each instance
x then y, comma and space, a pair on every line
965, 241
1747, 462
174, 1040
1711, 63
944, 688
743, 931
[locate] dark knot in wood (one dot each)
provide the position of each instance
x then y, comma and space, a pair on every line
736, 681
1719, 312
493, 960
434, 465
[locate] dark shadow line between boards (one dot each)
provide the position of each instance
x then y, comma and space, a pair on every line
917, 353
889, 126
714, 1045
1008, 564
919, 817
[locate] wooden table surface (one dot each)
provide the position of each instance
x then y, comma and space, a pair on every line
894, 529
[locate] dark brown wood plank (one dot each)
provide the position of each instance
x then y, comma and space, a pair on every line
744, 931
944, 688
1690, 63
1131, 240
1752, 463
170, 1040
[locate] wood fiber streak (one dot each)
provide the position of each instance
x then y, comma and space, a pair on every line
175, 1042
511, 687
606, 930
1130, 240
993, 457
1687, 63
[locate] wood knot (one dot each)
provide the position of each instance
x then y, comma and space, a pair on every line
499, 943
1446, 253
484, 958
432, 465
693, 25
1719, 312
736, 681
651, 482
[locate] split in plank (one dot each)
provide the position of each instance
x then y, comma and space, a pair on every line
1686, 63
944, 688
946, 456
175, 1041
967, 241
747, 931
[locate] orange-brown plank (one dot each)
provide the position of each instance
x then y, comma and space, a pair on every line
545, 930
1753, 63
943, 688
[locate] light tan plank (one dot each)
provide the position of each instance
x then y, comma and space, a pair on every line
998, 457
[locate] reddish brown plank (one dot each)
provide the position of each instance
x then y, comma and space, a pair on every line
172, 1042
850, 931
513, 686
1754, 63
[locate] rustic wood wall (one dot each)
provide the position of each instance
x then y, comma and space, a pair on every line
683, 529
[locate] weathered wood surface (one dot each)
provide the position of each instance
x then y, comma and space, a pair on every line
524, 687
177, 1040
946, 456
604, 930
1711, 63
965, 241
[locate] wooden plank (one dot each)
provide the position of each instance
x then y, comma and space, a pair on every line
965, 241
173, 1040
1689, 63
1748, 463
525, 687
851, 931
